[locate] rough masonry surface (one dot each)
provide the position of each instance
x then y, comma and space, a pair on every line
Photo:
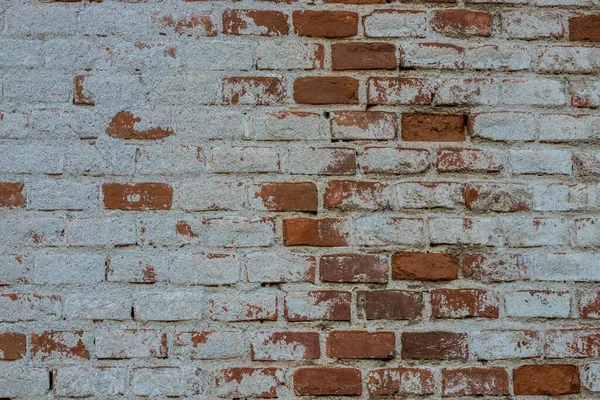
290, 199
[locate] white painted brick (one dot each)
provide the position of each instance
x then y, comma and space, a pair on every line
321, 160
219, 55
587, 232
205, 269
105, 304
169, 160
40, 19
537, 92
31, 158
567, 59
585, 93
32, 230
432, 55
289, 55
497, 58
15, 268
166, 381
453, 230
242, 307
571, 266
105, 231
287, 125
77, 55
532, 25
505, 344
51, 194
207, 345
108, 157
147, 56
427, 195
504, 126
395, 23
247, 159
63, 268
275, 268
83, 381
109, 19
168, 306
239, 232
591, 376
20, 53
469, 91
380, 230
23, 381
391, 160
14, 125
524, 231
195, 125
37, 86
566, 127
134, 265
538, 303
112, 343
183, 90
565, 197
541, 161
206, 195
28, 307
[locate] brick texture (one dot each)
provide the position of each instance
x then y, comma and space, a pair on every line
205, 199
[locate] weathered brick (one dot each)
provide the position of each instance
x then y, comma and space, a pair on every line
285, 346
572, 343
355, 195
249, 307
286, 196
130, 343
53, 345
208, 345
255, 22
280, 268
249, 382
532, 26
354, 268
395, 91
327, 305
395, 23
452, 159
401, 381
168, 306
497, 267
84, 381
166, 381
326, 232
466, 92
259, 90
584, 28
379, 230
289, 55
503, 126
246, 159
11, 195
458, 22
505, 344
286, 125
12, 346
475, 231
393, 160
464, 303
498, 197
432, 55
475, 381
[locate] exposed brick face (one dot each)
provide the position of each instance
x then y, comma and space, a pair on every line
298, 199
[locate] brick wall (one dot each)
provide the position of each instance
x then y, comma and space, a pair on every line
218, 199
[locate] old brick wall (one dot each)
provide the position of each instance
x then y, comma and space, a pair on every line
219, 199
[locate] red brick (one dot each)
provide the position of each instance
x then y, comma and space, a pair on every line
11, 195
459, 22
353, 195
585, 28
326, 90
434, 346
368, 268
255, 22
330, 24
122, 126
401, 381
360, 55
463, 303
475, 381
467, 160
317, 381
394, 91
249, 382
390, 304
546, 380
137, 196
270, 346
361, 344
424, 266
253, 90
81, 97
325, 232
289, 196
433, 127
59, 344
326, 305
12, 346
